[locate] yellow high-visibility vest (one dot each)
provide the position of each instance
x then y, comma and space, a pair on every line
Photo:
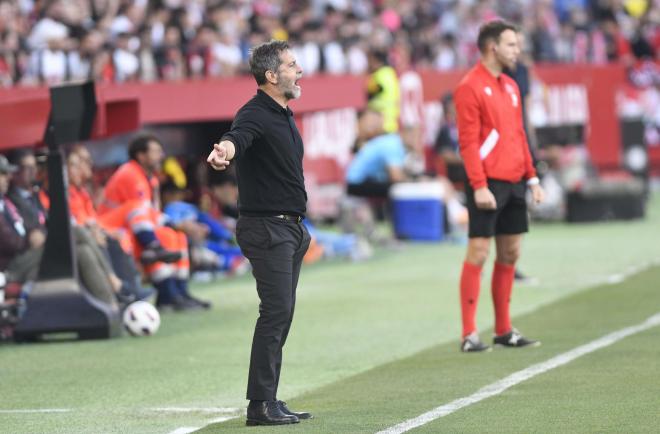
383, 87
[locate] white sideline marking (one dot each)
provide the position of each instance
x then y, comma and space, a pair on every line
522, 375
189, 429
36, 410
185, 430
225, 410
616, 278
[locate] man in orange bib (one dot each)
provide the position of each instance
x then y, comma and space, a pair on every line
131, 199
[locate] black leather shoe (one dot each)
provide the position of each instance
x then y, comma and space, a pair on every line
514, 339
300, 415
268, 413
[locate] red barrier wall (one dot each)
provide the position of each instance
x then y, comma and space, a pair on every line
24, 112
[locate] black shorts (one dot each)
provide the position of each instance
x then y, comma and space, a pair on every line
509, 218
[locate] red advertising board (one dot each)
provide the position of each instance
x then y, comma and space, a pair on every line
23, 112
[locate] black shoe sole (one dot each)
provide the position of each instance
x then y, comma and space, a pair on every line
309, 416
485, 350
252, 422
534, 345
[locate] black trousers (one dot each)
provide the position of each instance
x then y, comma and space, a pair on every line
370, 189
275, 248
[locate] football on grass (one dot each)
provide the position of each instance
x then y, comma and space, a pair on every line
141, 319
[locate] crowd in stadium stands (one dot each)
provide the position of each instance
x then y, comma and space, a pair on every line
51, 41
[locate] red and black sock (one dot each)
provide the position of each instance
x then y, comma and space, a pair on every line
502, 283
470, 284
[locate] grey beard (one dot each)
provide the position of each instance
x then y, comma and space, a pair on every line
290, 94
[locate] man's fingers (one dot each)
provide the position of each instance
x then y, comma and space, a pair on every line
538, 195
487, 204
212, 156
219, 164
216, 158
218, 161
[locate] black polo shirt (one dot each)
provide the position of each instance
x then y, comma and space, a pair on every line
269, 154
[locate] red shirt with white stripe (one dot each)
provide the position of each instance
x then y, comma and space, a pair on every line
491, 135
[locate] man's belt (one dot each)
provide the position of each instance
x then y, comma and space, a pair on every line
290, 217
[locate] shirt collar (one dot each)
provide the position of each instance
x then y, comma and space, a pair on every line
140, 168
486, 73
270, 102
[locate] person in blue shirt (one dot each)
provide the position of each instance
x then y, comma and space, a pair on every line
378, 162
218, 238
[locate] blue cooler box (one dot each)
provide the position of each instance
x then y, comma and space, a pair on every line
418, 210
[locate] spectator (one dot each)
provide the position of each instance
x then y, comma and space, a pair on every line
128, 21
356, 58
91, 43
199, 52
169, 56
227, 54
383, 90
332, 53
521, 75
126, 63
20, 251
50, 27
379, 160
29, 221
447, 53
327, 38
125, 275
24, 192
12, 230
334, 245
216, 238
446, 143
131, 200
307, 50
220, 199
148, 68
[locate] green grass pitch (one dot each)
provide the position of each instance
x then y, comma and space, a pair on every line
374, 344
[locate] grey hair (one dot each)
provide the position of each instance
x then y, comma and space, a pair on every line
266, 57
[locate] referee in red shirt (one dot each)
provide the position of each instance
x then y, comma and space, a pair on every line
499, 166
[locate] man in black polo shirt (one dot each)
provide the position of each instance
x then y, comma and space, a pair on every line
268, 150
